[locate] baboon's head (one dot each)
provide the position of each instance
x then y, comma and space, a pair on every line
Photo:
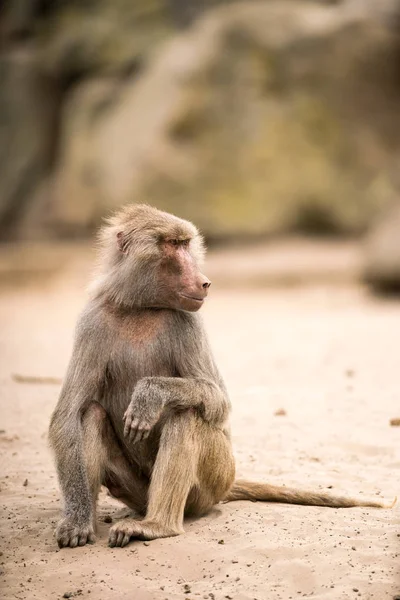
151, 258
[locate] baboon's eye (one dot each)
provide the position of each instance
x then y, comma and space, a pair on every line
176, 242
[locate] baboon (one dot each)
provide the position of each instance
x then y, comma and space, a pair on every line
143, 409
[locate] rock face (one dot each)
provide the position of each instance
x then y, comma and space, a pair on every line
27, 108
259, 118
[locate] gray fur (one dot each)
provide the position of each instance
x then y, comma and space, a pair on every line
170, 369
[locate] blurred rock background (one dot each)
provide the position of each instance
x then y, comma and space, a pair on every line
254, 119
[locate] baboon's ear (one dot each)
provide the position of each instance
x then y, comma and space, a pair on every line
122, 242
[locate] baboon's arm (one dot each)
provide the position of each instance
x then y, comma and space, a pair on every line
181, 393
197, 385
81, 386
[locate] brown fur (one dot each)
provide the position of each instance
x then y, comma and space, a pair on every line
143, 409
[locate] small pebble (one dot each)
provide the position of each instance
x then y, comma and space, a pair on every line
280, 412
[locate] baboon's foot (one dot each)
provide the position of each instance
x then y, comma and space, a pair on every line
124, 531
70, 534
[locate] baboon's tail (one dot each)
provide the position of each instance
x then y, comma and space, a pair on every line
248, 490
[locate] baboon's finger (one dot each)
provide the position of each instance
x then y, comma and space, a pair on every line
112, 538
137, 437
63, 541
129, 423
133, 433
91, 538
144, 431
132, 428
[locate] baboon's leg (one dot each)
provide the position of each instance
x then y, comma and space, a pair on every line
106, 464
193, 468
69, 532
215, 471
125, 483
94, 451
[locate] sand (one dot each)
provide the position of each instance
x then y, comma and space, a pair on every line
325, 356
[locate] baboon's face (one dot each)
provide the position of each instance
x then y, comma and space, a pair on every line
185, 287
154, 262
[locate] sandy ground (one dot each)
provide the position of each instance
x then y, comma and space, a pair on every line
327, 355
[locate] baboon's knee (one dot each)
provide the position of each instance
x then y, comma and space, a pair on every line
181, 425
95, 413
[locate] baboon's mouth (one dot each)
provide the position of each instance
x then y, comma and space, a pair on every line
195, 298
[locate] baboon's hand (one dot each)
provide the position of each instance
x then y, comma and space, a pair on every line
143, 411
69, 533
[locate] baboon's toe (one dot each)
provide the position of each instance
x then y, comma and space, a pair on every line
121, 533
69, 534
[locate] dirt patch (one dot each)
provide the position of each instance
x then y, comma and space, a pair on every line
291, 348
